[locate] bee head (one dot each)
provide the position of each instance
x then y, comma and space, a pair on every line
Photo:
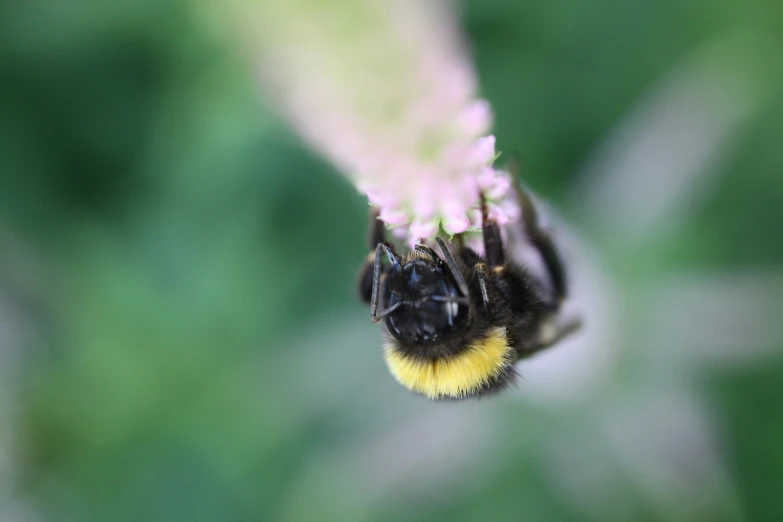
423, 299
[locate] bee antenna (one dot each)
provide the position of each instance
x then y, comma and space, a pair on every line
393, 258
453, 268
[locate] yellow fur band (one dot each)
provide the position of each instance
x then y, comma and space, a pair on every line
458, 376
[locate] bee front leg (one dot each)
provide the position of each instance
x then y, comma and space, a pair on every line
376, 236
524, 291
493, 242
481, 274
555, 325
551, 332
507, 280
541, 239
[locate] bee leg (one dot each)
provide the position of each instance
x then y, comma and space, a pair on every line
448, 258
376, 236
553, 332
523, 293
493, 243
377, 274
481, 273
541, 239
377, 278
512, 287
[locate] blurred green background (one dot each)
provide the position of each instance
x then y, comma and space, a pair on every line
179, 336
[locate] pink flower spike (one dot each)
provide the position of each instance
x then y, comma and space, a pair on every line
476, 118
499, 188
497, 213
457, 154
456, 224
392, 216
486, 178
399, 232
483, 151
475, 218
423, 230
413, 135
511, 208
378, 196
425, 197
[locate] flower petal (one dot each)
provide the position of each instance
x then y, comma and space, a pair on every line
511, 209
393, 216
456, 224
399, 232
476, 118
486, 178
423, 230
475, 218
483, 151
498, 189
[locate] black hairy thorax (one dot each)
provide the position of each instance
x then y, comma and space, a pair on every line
425, 296
426, 325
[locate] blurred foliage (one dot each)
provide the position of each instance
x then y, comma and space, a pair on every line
172, 242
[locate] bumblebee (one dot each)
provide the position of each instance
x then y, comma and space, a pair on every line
457, 322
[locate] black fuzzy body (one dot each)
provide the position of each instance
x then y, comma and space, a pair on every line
513, 304
437, 307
